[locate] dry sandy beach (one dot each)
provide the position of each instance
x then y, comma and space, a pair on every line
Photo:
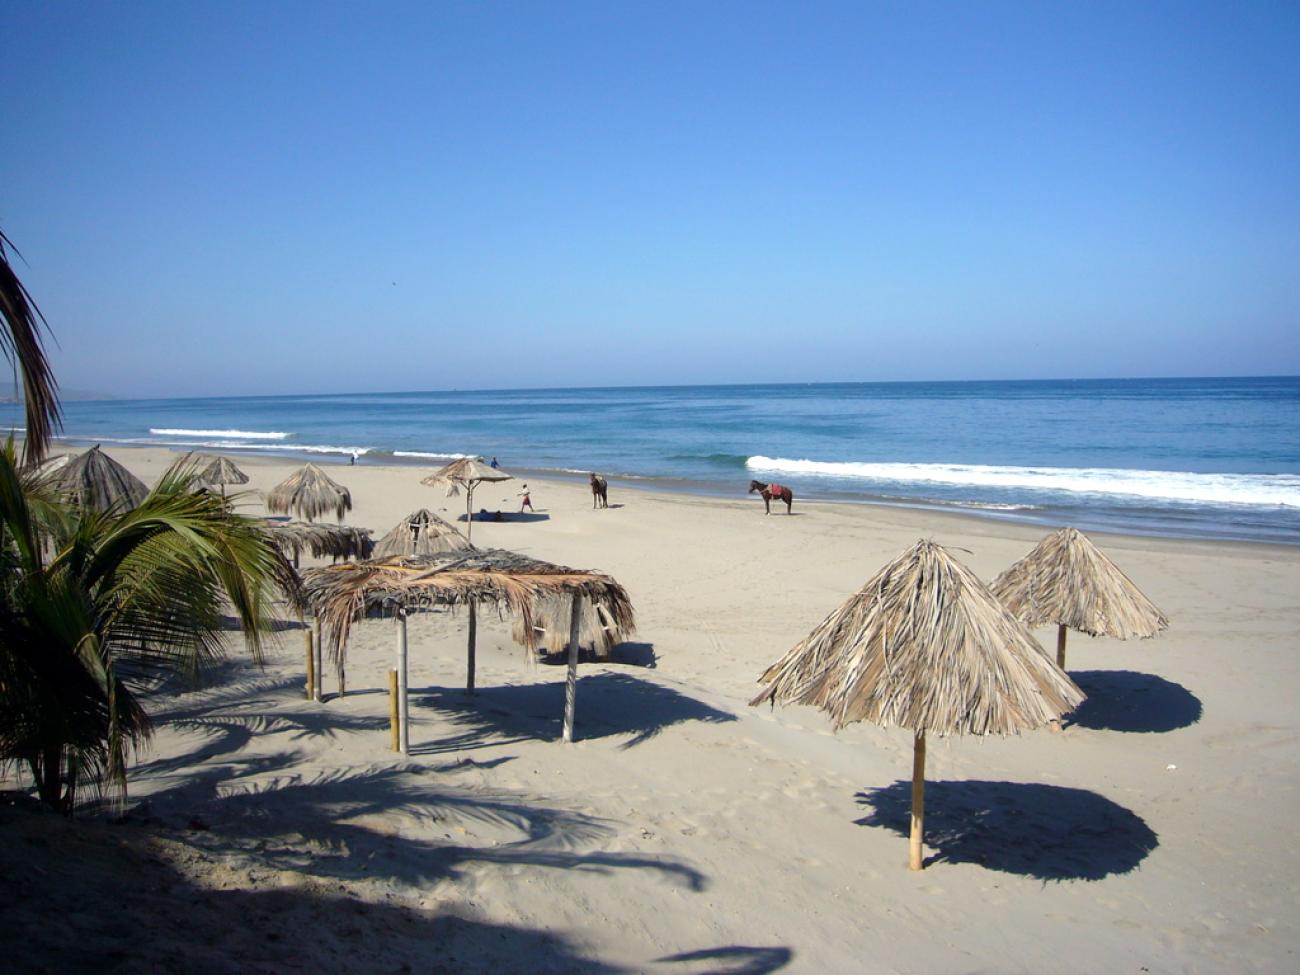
685, 832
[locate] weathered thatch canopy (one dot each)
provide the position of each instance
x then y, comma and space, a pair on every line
309, 493
551, 627
467, 473
924, 645
1068, 581
218, 472
95, 480
293, 538
420, 533
342, 594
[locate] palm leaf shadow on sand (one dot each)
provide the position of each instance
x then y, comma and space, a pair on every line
608, 705
123, 889
1049, 832
1125, 700
733, 960
320, 821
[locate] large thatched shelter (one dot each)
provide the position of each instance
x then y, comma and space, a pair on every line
466, 473
1067, 581
218, 472
293, 538
343, 594
309, 493
550, 630
95, 480
925, 646
421, 533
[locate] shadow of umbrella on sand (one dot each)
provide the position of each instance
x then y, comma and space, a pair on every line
924, 645
467, 473
95, 480
1068, 581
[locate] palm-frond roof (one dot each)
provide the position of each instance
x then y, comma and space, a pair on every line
341, 594
219, 470
309, 493
924, 645
421, 533
465, 472
1068, 581
293, 538
96, 481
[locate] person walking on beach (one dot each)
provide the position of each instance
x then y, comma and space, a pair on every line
527, 501
494, 465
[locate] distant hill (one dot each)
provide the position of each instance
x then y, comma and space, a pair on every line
11, 394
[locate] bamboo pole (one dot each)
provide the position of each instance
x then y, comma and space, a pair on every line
394, 721
918, 800
469, 511
311, 664
469, 658
571, 680
402, 702
1060, 645
320, 664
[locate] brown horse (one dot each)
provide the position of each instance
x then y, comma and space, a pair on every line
599, 489
770, 491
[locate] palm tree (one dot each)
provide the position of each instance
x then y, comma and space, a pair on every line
21, 323
95, 606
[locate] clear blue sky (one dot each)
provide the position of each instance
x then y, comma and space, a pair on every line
282, 197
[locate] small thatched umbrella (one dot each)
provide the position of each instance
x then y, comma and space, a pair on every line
1068, 581
421, 533
95, 480
342, 594
924, 645
309, 493
218, 472
293, 538
467, 473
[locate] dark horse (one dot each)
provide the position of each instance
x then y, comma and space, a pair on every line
772, 491
599, 489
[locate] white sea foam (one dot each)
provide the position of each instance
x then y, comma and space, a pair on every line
1280, 490
432, 456
227, 434
226, 445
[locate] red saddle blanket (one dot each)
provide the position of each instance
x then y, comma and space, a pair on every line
775, 490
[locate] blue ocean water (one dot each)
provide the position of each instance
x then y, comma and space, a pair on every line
1188, 457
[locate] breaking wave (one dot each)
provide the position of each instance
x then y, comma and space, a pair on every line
1273, 490
227, 434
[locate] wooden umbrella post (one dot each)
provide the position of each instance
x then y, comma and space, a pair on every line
571, 681
311, 664
469, 512
404, 745
320, 664
469, 653
394, 720
1060, 645
918, 800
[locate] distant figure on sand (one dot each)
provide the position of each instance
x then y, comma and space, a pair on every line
599, 492
353, 460
770, 491
527, 501
494, 465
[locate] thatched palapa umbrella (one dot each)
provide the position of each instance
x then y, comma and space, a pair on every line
1068, 581
309, 493
924, 645
293, 538
342, 594
467, 473
95, 480
218, 472
421, 533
